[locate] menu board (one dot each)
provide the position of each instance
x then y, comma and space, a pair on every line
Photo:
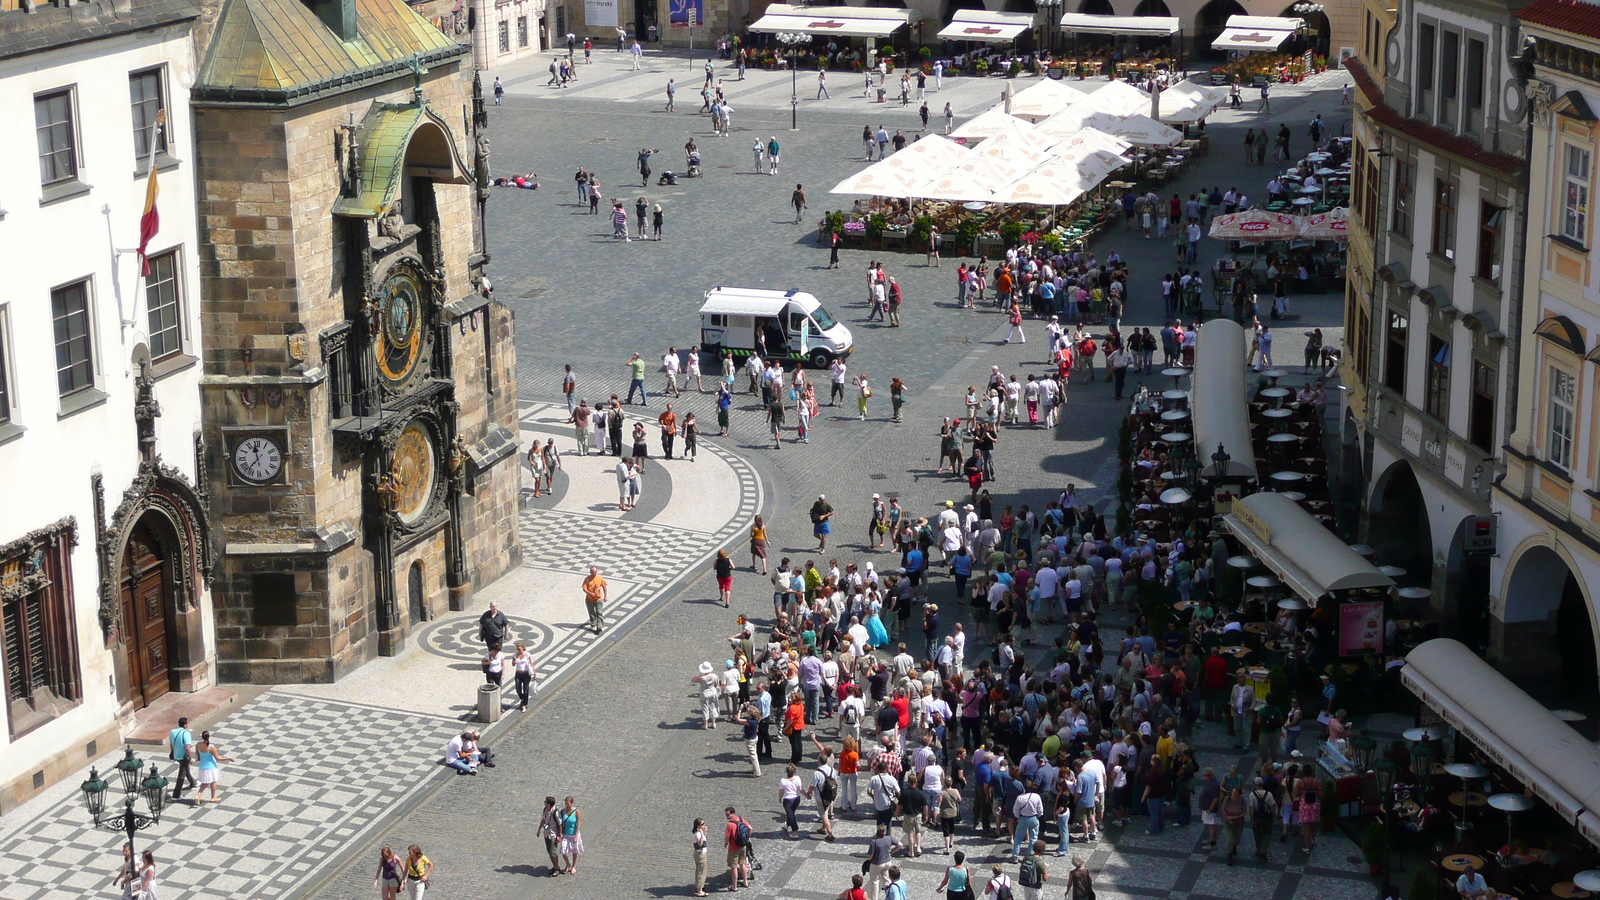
1360, 628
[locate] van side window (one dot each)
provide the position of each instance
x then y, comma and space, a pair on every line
796, 321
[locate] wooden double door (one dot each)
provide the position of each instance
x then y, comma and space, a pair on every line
146, 610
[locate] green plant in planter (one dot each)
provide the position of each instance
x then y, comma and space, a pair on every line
1422, 885
834, 222
924, 54
921, 229
983, 67
966, 234
1374, 846
875, 224
1052, 242
1014, 69
1012, 232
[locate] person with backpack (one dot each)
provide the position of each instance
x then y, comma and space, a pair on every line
1263, 812
736, 838
999, 886
1033, 873
824, 789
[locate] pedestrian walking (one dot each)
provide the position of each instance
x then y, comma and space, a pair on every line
1266, 97
775, 413
418, 871
635, 366
594, 598
773, 152
641, 208
494, 666
736, 839
1080, 883
748, 718
550, 830
824, 790
897, 395
571, 819
672, 95
834, 240
522, 670
657, 220
1263, 812
148, 889
798, 200
637, 52
493, 626
933, 247
499, 91
938, 75
619, 221
758, 544
1015, 318
821, 514
866, 133
594, 196
822, 85
691, 437
180, 749
957, 879
923, 111
644, 165
863, 394
710, 692
759, 152
207, 755
949, 118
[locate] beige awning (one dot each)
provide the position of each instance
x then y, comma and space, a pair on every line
1217, 402
1299, 549
982, 25
849, 21
1559, 765
1140, 26
1256, 33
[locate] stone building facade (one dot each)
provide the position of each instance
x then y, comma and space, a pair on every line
360, 390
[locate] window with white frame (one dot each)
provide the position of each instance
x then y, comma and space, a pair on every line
1562, 417
1575, 203
147, 94
54, 125
69, 306
165, 310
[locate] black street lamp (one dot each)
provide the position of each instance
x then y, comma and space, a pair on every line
792, 40
1219, 462
153, 788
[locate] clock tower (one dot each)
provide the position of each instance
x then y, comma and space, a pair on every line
360, 395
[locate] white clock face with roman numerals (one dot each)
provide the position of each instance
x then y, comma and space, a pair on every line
257, 460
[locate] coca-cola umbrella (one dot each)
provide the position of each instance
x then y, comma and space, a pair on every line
1255, 225
1328, 226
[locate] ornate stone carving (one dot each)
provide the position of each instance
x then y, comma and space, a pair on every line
393, 230
1540, 95
22, 561
146, 409
163, 489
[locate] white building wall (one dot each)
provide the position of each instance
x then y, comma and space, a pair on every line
45, 472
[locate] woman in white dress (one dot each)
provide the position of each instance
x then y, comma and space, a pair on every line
537, 464
148, 889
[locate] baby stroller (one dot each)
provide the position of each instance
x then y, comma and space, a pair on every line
694, 165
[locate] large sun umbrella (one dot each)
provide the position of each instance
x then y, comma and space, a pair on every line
1255, 225
1190, 102
1328, 226
879, 181
962, 184
1016, 150
991, 123
1145, 131
1087, 141
1043, 100
935, 151
1093, 167
1049, 185
1074, 119
1118, 98
1006, 96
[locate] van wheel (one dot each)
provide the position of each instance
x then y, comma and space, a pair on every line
820, 359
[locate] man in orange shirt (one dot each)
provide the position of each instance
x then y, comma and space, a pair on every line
669, 429
594, 596
1002, 288
794, 725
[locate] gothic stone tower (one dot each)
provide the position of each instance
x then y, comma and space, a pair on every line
360, 394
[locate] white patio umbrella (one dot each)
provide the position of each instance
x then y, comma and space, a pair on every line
936, 151
1096, 165
1190, 102
1074, 119
988, 124
1255, 225
1006, 98
1086, 141
1146, 132
1118, 98
879, 181
1048, 185
1018, 151
1043, 100
961, 184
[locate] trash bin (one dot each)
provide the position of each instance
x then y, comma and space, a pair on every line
488, 704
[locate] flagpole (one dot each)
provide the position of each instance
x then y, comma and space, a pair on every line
150, 172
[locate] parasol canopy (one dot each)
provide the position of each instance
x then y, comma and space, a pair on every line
991, 123
1075, 118
1145, 131
1118, 98
1328, 226
1048, 185
1255, 225
1043, 100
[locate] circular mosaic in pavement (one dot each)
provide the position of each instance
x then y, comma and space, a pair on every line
458, 638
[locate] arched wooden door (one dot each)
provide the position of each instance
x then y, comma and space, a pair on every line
145, 599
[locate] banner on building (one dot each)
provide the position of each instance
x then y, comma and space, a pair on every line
600, 13
686, 14
1360, 628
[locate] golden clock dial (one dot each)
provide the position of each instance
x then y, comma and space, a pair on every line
400, 313
414, 472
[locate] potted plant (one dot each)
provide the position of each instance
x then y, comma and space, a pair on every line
1374, 848
875, 224
854, 232
1011, 233
1422, 885
921, 229
1014, 69
966, 236
982, 67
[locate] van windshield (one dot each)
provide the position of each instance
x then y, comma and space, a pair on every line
824, 321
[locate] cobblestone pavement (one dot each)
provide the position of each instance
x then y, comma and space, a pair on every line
623, 736
617, 725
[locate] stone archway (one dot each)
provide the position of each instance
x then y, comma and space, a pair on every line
155, 556
1209, 22
1547, 629
1397, 525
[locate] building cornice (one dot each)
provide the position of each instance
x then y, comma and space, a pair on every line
1464, 148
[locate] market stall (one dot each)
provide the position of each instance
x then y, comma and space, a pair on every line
843, 21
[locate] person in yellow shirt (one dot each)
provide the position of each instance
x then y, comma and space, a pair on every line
417, 869
1166, 747
594, 597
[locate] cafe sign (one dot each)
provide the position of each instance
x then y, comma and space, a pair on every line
1249, 520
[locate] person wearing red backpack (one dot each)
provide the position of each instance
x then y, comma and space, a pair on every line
736, 838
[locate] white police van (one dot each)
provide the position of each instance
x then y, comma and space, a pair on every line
789, 325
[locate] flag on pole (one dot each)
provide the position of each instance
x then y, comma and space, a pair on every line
150, 218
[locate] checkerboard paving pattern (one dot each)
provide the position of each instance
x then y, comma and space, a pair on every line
312, 776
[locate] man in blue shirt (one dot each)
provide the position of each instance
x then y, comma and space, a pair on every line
914, 566
764, 735
179, 740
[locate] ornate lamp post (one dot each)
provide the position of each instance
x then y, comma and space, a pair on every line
1048, 8
1219, 462
792, 41
128, 821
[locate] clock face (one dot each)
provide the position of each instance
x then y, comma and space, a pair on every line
257, 460
414, 472
399, 343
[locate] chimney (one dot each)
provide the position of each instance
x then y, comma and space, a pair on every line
338, 15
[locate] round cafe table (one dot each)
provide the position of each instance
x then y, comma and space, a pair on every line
975, 206
1392, 571
1431, 733
1235, 652
1274, 375
1568, 890
1325, 171
1256, 627
1175, 371
1277, 412
1303, 201
1460, 862
1588, 879
1318, 155
1182, 605
1284, 438
1275, 393
1175, 496
1467, 798
1297, 497
1361, 549
1174, 415
1294, 604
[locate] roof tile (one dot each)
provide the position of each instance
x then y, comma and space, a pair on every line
1570, 16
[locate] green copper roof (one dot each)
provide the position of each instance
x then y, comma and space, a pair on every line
385, 135
277, 51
